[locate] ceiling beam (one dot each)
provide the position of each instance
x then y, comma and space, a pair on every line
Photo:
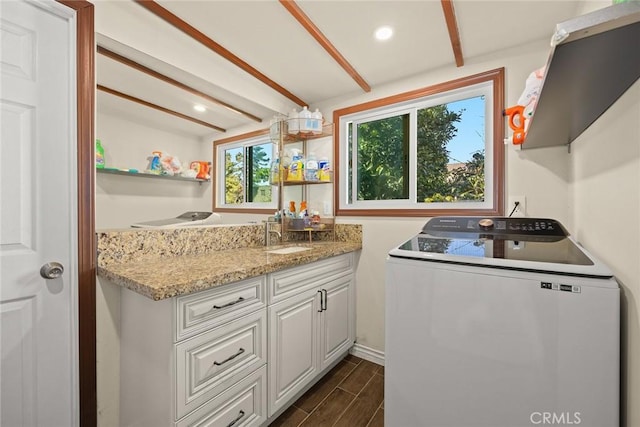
199, 36
452, 27
135, 65
315, 32
157, 107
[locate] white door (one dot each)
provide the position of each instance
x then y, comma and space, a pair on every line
38, 316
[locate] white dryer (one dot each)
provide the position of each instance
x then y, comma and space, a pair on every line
500, 322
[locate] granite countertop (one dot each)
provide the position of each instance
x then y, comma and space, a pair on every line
159, 275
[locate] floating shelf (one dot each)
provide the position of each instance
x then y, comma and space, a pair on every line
149, 175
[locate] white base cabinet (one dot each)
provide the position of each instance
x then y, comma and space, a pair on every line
309, 330
178, 355
237, 354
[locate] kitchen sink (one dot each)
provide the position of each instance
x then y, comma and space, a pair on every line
289, 250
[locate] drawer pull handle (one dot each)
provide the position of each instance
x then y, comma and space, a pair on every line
229, 358
238, 418
229, 304
320, 311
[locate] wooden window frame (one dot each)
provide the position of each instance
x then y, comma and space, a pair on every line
215, 177
496, 77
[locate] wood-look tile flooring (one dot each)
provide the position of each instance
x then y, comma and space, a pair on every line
350, 395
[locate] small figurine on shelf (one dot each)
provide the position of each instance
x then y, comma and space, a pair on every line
154, 163
201, 168
170, 165
99, 155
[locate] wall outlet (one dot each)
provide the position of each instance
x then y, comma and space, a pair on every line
516, 245
517, 211
326, 208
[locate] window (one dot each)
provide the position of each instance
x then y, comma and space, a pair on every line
242, 174
434, 151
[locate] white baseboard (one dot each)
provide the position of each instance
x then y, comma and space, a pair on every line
367, 353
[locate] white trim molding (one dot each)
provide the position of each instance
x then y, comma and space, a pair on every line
368, 353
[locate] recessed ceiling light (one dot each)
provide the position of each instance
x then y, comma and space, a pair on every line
200, 108
384, 33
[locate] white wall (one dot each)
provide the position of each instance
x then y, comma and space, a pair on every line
123, 200
606, 218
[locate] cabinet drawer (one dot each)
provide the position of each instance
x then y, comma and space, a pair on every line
243, 405
209, 363
283, 284
203, 310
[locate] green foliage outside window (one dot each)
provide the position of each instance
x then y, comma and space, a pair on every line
383, 147
255, 185
435, 129
383, 159
234, 188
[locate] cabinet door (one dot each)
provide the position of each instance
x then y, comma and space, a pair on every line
336, 326
293, 331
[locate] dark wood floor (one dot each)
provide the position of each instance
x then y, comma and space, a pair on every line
350, 395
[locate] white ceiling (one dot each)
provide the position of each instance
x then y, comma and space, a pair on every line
266, 36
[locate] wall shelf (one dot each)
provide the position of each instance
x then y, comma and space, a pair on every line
586, 73
149, 175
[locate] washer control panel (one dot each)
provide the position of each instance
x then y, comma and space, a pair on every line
496, 226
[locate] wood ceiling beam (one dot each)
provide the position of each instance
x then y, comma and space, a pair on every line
157, 107
135, 65
315, 32
199, 36
452, 27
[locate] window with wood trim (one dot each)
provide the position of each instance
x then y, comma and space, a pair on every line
242, 174
433, 151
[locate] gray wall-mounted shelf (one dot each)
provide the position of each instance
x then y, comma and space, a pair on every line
596, 59
149, 175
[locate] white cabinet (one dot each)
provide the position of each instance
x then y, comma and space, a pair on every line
309, 330
293, 347
181, 354
337, 326
223, 356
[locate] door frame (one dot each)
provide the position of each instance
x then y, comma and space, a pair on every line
85, 71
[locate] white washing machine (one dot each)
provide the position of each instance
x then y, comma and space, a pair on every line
500, 322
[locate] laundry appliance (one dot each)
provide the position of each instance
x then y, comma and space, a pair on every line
192, 218
499, 322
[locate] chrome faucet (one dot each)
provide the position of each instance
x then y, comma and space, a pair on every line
268, 230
